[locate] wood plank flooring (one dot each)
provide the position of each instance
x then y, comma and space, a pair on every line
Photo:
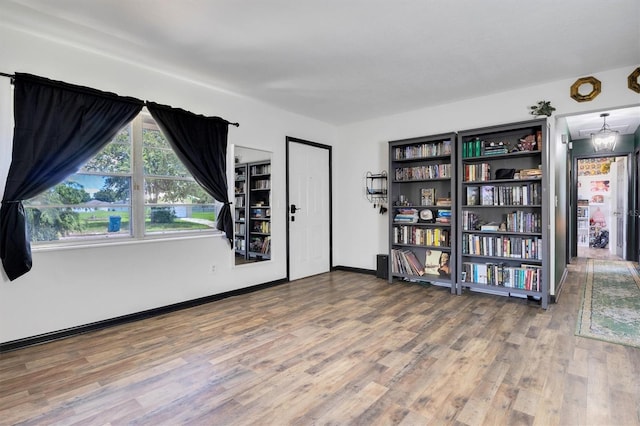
336, 349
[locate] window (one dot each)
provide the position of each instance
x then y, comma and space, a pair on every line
135, 187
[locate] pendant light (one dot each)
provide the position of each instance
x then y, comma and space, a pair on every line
605, 139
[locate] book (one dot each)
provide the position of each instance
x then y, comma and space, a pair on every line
416, 266
487, 198
532, 276
444, 202
494, 148
427, 196
473, 196
443, 216
525, 173
491, 226
444, 268
481, 274
432, 262
496, 152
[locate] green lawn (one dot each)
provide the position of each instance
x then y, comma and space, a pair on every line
97, 222
204, 215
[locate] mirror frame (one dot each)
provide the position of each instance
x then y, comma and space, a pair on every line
246, 155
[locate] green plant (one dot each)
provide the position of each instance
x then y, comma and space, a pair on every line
162, 215
542, 108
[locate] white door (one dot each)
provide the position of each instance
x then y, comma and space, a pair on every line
309, 209
620, 211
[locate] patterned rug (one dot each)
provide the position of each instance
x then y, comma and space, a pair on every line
611, 303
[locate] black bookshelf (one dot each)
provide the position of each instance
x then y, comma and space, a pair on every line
422, 207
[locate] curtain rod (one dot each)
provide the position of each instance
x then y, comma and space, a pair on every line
12, 76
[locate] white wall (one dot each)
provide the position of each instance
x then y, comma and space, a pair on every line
72, 287
364, 148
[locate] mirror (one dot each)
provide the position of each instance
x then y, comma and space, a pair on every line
252, 205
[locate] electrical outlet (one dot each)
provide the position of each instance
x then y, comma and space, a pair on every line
213, 268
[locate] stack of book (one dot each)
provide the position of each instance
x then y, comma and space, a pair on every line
491, 226
423, 150
472, 148
405, 262
406, 215
443, 216
494, 149
525, 277
419, 236
530, 173
477, 172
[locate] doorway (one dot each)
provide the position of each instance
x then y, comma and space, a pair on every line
601, 188
575, 131
309, 237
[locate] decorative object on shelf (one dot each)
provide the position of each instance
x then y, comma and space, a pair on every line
542, 108
505, 174
633, 80
527, 143
443, 265
427, 196
596, 87
605, 139
426, 215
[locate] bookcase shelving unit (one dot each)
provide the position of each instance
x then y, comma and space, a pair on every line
240, 210
583, 223
422, 207
259, 211
502, 236
252, 210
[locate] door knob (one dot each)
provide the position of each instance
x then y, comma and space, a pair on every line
294, 209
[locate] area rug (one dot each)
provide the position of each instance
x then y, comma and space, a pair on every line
611, 303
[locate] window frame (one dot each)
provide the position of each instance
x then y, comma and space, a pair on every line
137, 204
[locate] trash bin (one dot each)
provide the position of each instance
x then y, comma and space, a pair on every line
114, 223
382, 265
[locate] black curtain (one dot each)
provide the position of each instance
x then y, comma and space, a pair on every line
201, 144
58, 127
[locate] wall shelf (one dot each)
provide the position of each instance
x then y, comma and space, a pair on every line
376, 187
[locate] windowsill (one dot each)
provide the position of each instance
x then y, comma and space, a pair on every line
122, 241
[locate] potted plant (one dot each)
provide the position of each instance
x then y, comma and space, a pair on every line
542, 108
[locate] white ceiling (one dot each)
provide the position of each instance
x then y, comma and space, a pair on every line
342, 61
624, 120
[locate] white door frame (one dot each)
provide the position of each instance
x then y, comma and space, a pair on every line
574, 195
290, 140
620, 212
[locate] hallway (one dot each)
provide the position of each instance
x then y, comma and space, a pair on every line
597, 253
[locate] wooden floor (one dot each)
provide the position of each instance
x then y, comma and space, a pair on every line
597, 253
341, 349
